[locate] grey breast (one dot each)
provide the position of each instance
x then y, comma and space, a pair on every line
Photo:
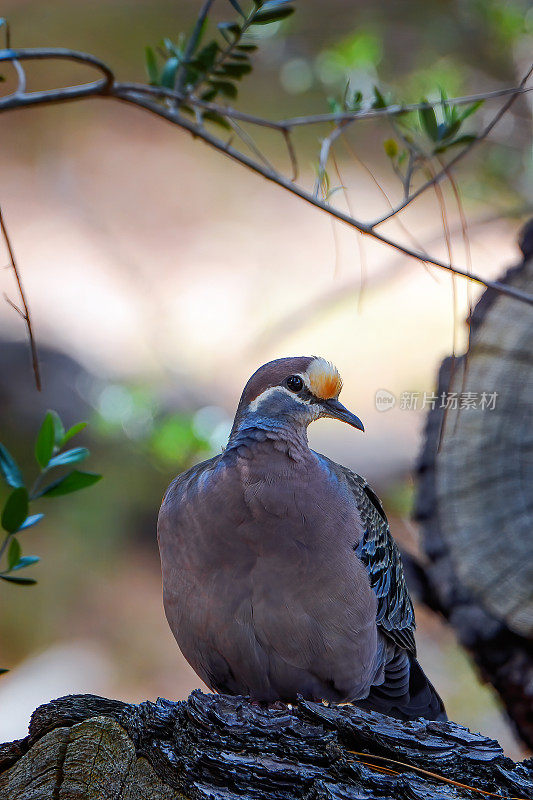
262, 588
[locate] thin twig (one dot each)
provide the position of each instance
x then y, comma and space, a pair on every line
397, 109
292, 154
360, 243
26, 314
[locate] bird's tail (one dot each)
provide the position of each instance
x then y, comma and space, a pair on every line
406, 692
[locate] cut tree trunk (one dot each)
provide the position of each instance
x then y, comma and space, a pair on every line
225, 748
475, 497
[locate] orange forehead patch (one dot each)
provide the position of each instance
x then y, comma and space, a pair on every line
324, 379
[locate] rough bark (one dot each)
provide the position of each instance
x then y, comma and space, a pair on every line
220, 747
475, 499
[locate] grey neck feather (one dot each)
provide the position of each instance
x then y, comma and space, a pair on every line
255, 428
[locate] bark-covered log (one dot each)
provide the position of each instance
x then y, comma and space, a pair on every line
475, 498
220, 747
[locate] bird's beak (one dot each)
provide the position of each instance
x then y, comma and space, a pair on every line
336, 410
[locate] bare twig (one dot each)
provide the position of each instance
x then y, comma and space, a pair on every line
292, 154
25, 311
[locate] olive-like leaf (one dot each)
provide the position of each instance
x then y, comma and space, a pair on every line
30, 521
225, 88
69, 457
227, 28
218, 119
379, 100
168, 75
206, 57
428, 120
59, 430
25, 561
151, 65
276, 15
9, 468
72, 482
72, 432
3, 671
44, 446
234, 70
467, 138
15, 510
237, 8
470, 110
20, 581
14, 552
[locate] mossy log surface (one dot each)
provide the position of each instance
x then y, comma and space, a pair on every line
220, 747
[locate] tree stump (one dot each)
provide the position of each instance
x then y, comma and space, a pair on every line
475, 497
84, 747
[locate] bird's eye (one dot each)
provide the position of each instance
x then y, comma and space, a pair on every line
295, 383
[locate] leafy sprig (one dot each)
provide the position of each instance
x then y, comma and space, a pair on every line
15, 517
213, 70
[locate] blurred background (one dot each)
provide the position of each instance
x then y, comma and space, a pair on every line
160, 275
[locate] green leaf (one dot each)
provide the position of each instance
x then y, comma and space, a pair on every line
72, 432
168, 75
225, 88
3, 671
465, 139
276, 15
469, 110
20, 581
209, 95
379, 100
30, 521
14, 552
247, 48
151, 65
72, 482
59, 430
229, 28
237, 8
234, 70
213, 116
206, 57
69, 457
451, 129
428, 121
44, 445
9, 468
25, 561
15, 510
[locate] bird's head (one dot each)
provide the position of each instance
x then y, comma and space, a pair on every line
293, 392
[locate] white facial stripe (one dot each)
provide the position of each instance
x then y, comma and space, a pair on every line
254, 405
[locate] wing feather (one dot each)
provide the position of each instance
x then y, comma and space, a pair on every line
381, 557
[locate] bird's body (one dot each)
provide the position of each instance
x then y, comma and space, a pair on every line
280, 575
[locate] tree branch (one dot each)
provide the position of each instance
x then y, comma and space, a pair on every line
136, 94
